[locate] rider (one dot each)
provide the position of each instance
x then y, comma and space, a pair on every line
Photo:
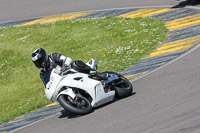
47, 62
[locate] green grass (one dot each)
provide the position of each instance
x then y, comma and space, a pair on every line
114, 42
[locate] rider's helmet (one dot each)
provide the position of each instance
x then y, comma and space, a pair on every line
40, 58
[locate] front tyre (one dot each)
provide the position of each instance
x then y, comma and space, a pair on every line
80, 105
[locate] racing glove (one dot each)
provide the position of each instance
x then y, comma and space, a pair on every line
66, 64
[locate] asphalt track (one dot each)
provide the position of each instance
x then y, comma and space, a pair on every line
12, 10
166, 101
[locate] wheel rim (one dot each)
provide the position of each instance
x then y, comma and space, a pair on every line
79, 102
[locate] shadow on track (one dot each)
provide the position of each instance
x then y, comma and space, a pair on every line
187, 3
70, 115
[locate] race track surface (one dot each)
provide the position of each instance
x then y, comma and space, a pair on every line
166, 100
12, 10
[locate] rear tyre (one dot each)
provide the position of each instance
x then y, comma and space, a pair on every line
80, 105
123, 88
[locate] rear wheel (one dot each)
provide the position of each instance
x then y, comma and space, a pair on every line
80, 105
122, 86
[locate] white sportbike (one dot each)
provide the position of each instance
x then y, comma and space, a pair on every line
79, 91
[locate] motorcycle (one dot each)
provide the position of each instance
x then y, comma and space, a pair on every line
79, 91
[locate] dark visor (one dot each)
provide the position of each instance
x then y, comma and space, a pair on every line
39, 63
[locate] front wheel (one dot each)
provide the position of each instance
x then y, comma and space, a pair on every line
80, 105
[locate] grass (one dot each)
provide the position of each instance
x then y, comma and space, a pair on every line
114, 42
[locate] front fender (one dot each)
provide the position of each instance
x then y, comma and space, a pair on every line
68, 92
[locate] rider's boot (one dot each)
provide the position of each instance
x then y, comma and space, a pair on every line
100, 76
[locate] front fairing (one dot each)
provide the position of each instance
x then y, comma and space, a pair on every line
51, 81
93, 87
